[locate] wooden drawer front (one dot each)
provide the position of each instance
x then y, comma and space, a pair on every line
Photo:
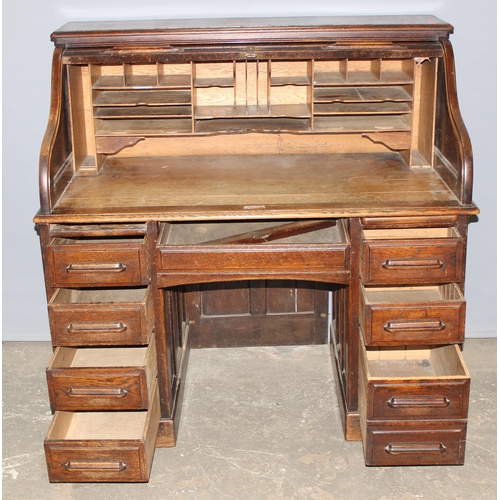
417, 400
412, 315
101, 317
416, 444
261, 262
411, 260
413, 383
194, 252
102, 446
102, 378
98, 264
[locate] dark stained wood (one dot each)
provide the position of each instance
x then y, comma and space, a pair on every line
412, 315
250, 30
454, 149
219, 183
277, 312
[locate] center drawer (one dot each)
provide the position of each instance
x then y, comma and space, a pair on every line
122, 316
115, 378
411, 256
194, 252
97, 262
412, 315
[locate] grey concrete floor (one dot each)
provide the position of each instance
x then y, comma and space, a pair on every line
257, 423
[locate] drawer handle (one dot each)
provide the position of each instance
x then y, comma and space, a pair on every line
418, 401
434, 325
96, 267
110, 466
96, 327
413, 263
402, 448
104, 392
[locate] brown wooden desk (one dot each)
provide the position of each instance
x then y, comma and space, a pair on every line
252, 182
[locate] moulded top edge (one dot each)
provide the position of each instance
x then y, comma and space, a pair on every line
253, 29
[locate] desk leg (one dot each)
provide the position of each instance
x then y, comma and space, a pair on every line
172, 367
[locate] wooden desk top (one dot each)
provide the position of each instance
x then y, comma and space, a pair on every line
221, 187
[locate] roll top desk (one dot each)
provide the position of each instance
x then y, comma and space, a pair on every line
327, 155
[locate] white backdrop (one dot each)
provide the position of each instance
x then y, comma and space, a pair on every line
27, 53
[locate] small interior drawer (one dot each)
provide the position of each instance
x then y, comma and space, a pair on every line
412, 315
190, 252
85, 317
90, 262
413, 383
104, 378
102, 446
411, 256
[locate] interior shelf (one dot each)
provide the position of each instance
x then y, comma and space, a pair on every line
143, 98
342, 108
277, 81
142, 112
252, 124
143, 127
277, 110
364, 123
213, 82
365, 94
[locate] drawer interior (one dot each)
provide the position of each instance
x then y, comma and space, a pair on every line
80, 426
412, 294
99, 296
410, 233
278, 231
409, 362
96, 240
101, 357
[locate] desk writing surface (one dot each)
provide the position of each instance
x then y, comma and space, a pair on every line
222, 186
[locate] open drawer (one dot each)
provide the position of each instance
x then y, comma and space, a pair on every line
203, 252
102, 446
411, 256
101, 316
409, 394
412, 315
103, 378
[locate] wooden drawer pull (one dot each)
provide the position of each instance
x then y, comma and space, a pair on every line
402, 448
435, 325
105, 392
111, 466
87, 267
412, 263
96, 327
418, 401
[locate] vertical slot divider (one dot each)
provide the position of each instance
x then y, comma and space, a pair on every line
246, 87
193, 97
257, 86
376, 68
311, 93
269, 87
234, 88
344, 70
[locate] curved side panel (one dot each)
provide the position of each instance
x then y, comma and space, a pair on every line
453, 146
55, 168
